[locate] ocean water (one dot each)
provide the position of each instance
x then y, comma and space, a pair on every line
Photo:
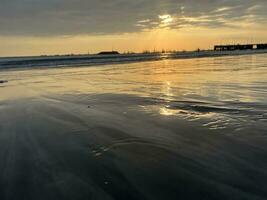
93, 60
160, 129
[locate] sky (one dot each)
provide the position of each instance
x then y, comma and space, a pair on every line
38, 27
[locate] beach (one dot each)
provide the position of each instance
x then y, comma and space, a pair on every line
164, 129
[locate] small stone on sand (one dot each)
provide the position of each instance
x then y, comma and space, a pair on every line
3, 81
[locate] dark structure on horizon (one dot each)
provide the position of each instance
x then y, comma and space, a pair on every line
261, 46
240, 47
109, 53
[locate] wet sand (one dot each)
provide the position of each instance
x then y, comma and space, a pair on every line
137, 131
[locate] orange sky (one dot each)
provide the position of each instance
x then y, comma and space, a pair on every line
184, 39
181, 30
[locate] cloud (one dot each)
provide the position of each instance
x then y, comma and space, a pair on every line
72, 17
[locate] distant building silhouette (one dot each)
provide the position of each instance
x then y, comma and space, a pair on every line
108, 53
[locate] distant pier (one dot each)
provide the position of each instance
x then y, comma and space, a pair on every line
240, 47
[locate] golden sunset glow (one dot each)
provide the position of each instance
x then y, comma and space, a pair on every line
133, 99
158, 38
136, 28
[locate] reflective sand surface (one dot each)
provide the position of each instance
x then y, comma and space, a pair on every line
173, 129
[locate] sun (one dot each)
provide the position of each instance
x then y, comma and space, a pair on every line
166, 19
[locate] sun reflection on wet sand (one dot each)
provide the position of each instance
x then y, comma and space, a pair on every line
209, 80
168, 112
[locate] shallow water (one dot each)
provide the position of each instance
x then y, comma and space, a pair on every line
171, 129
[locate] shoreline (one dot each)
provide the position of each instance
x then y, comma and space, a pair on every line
37, 62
